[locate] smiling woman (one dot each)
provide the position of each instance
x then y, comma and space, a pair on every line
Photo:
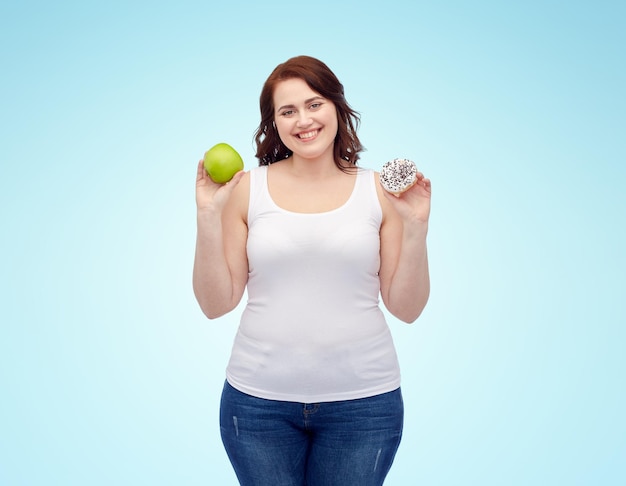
312, 393
324, 86
305, 121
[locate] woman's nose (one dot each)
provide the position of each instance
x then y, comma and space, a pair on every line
303, 120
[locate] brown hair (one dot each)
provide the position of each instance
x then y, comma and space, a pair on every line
322, 80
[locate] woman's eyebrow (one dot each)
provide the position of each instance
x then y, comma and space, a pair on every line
306, 102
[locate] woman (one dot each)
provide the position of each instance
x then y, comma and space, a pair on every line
312, 394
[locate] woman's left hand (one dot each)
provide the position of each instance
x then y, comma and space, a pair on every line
413, 205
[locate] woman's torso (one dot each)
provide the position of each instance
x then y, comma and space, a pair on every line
312, 329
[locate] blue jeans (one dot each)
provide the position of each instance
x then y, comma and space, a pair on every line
277, 443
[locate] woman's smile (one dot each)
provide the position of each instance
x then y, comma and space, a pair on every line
307, 136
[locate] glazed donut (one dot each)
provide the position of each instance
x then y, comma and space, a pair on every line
398, 175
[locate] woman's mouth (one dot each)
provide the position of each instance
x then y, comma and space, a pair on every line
308, 135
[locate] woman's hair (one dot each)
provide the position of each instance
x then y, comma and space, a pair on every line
322, 80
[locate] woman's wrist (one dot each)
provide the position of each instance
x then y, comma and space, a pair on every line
209, 216
416, 229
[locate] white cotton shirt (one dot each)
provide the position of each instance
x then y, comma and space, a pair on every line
312, 330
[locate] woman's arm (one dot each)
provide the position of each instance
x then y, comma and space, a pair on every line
220, 270
404, 276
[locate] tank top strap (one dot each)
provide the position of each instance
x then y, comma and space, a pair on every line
366, 195
259, 198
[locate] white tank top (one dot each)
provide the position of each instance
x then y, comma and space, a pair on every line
312, 330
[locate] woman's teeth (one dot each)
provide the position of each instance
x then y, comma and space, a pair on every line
307, 135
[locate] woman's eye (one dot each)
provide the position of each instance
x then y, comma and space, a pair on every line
315, 106
287, 113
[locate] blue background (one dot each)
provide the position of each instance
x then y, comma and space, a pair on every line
514, 374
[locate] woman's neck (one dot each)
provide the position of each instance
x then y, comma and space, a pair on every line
319, 168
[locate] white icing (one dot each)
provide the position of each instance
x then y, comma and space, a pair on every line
398, 175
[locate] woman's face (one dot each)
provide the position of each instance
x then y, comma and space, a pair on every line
306, 121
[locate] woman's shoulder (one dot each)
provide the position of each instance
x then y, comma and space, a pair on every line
370, 173
240, 196
385, 205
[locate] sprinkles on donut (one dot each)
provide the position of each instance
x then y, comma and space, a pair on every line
398, 175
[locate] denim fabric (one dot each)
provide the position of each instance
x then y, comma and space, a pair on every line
346, 443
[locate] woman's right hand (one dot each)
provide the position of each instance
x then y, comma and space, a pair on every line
220, 269
211, 195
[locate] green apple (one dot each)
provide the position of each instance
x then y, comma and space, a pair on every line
222, 162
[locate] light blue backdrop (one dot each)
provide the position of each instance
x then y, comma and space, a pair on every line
514, 374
